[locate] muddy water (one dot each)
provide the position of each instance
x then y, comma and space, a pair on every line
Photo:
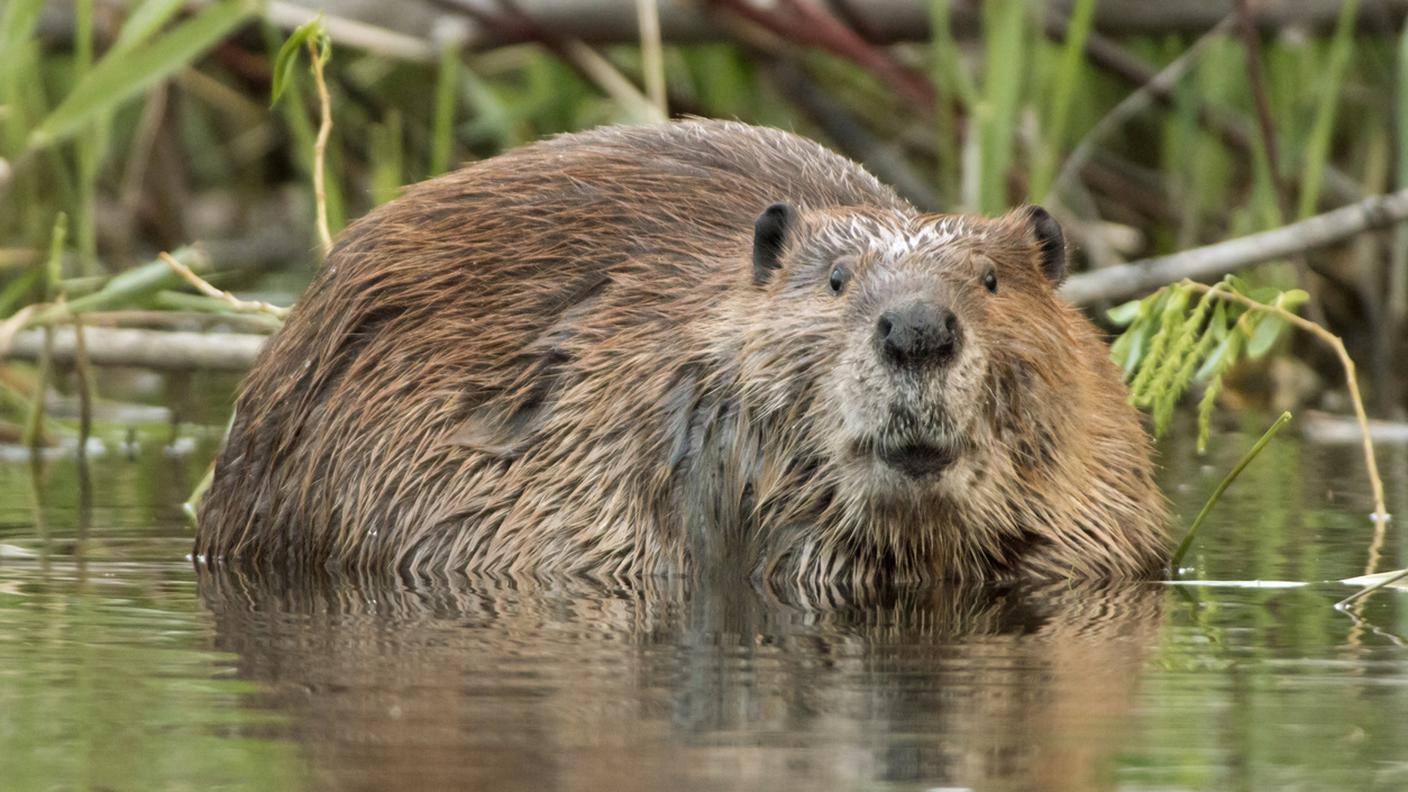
123, 667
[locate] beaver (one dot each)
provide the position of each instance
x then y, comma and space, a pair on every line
694, 347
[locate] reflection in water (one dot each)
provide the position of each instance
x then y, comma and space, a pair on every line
531, 684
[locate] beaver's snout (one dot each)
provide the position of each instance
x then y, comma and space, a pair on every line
917, 335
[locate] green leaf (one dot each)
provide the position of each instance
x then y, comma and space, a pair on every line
1317, 146
288, 53
1138, 343
1268, 329
121, 75
17, 24
1205, 408
1293, 299
1218, 326
1238, 285
1221, 358
144, 20
1122, 315
126, 288
1266, 295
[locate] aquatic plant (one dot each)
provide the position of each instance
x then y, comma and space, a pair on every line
1189, 333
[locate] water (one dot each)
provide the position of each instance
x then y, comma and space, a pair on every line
123, 668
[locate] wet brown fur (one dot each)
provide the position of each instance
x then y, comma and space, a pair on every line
559, 360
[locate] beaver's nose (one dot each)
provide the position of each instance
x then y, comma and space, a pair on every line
919, 334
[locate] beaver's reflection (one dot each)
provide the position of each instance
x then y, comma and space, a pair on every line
531, 684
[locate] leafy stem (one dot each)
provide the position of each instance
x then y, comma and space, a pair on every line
1226, 482
1350, 378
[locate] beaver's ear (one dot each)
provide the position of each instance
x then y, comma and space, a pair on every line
769, 238
1051, 242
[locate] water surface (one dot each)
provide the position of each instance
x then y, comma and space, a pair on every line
122, 666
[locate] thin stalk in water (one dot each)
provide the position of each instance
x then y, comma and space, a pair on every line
1251, 454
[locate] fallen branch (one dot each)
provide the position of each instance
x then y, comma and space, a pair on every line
1214, 261
882, 21
154, 349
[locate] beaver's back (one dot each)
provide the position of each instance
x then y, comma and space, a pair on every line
470, 290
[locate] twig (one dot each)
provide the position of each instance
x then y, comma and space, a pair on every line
1351, 380
179, 316
1226, 482
154, 349
610, 80
203, 286
652, 55
1364, 592
354, 33
882, 21
1214, 261
587, 62
13, 325
320, 147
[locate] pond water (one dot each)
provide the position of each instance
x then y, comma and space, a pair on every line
123, 667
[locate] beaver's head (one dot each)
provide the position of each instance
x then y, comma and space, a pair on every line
911, 332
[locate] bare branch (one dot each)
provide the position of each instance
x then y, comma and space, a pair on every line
152, 349
882, 21
1213, 261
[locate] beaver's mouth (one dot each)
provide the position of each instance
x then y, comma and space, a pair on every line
918, 460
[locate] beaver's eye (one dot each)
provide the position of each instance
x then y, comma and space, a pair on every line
990, 281
839, 276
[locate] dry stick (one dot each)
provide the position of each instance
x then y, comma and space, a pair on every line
609, 79
1350, 378
355, 33
320, 147
163, 350
652, 55
587, 62
1364, 592
17, 322
203, 286
175, 318
1214, 261
883, 21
